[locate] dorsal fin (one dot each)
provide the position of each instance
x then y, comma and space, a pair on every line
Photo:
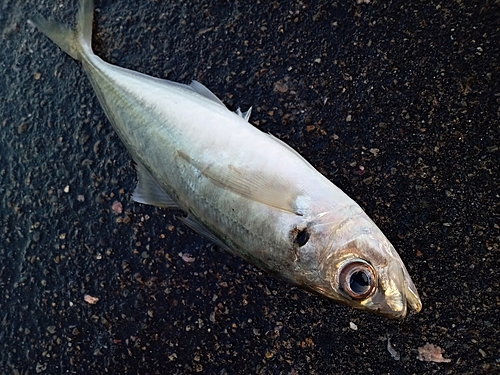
279, 141
245, 115
202, 90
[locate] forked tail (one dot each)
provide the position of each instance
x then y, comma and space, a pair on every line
76, 43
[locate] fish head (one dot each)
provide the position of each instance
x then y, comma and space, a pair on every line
359, 267
366, 277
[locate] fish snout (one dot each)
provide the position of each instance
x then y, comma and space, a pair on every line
396, 292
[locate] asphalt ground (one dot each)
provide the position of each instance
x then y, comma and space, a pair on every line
397, 102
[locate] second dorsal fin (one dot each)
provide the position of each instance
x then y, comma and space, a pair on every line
202, 90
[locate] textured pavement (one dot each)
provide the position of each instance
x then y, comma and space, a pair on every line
398, 103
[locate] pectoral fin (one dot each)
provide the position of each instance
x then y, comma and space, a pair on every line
253, 184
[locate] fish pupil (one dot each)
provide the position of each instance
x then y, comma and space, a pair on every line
302, 237
359, 282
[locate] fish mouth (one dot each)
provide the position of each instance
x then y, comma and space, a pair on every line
403, 303
412, 297
396, 294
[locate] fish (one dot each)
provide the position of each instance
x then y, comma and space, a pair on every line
245, 190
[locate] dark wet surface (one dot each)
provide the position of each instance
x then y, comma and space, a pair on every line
396, 102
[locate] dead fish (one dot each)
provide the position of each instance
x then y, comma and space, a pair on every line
245, 190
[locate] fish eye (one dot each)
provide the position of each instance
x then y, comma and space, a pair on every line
302, 237
357, 279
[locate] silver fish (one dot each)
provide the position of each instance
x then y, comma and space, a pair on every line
245, 190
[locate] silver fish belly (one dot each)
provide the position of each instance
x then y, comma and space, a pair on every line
247, 191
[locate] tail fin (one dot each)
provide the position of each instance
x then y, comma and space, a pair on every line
75, 43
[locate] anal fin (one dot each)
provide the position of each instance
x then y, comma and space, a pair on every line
149, 192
